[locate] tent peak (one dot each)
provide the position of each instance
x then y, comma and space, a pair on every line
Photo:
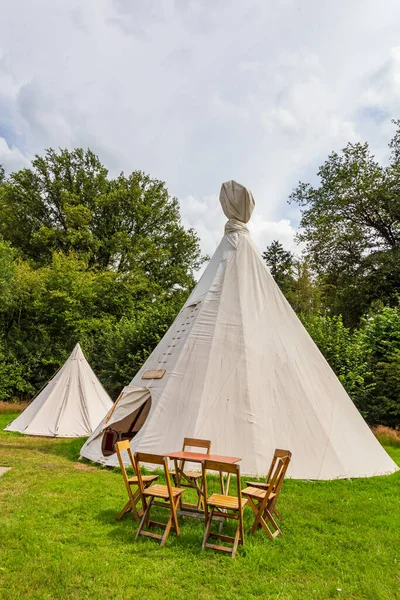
237, 203
77, 352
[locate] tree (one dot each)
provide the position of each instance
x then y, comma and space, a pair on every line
88, 258
305, 294
351, 226
66, 202
53, 307
7, 269
281, 263
294, 278
381, 343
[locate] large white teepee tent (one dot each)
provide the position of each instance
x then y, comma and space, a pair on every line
71, 405
238, 368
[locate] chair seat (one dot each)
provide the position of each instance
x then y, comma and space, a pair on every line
222, 501
257, 484
161, 491
145, 478
191, 474
254, 492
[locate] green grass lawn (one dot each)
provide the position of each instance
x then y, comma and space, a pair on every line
59, 537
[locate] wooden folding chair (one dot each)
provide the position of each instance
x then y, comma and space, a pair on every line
264, 485
169, 495
263, 501
193, 478
131, 482
224, 507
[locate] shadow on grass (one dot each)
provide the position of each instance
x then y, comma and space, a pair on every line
68, 448
188, 542
110, 516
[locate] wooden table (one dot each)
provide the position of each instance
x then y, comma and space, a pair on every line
180, 458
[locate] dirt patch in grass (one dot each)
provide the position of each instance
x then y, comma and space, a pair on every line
387, 435
12, 407
84, 467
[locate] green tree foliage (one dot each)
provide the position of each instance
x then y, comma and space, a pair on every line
56, 305
281, 264
67, 203
7, 271
366, 360
294, 278
381, 344
351, 226
86, 258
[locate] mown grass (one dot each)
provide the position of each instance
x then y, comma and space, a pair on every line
59, 537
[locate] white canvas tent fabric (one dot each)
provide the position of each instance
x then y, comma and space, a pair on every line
241, 371
72, 404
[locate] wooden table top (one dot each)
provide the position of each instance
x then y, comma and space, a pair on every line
200, 456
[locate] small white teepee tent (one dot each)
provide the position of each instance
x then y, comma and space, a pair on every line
71, 405
238, 368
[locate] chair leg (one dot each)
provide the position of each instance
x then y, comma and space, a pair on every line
197, 487
135, 500
208, 528
148, 515
177, 476
261, 522
241, 526
264, 525
255, 525
174, 506
167, 529
145, 518
236, 541
255, 510
271, 519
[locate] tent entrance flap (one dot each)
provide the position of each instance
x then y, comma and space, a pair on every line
127, 419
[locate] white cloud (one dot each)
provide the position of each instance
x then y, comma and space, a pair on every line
199, 92
11, 158
264, 232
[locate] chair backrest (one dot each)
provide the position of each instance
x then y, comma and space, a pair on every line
194, 443
281, 464
119, 448
286, 460
153, 459
214, 465
284, 454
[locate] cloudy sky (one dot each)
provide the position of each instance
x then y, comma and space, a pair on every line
196, 92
